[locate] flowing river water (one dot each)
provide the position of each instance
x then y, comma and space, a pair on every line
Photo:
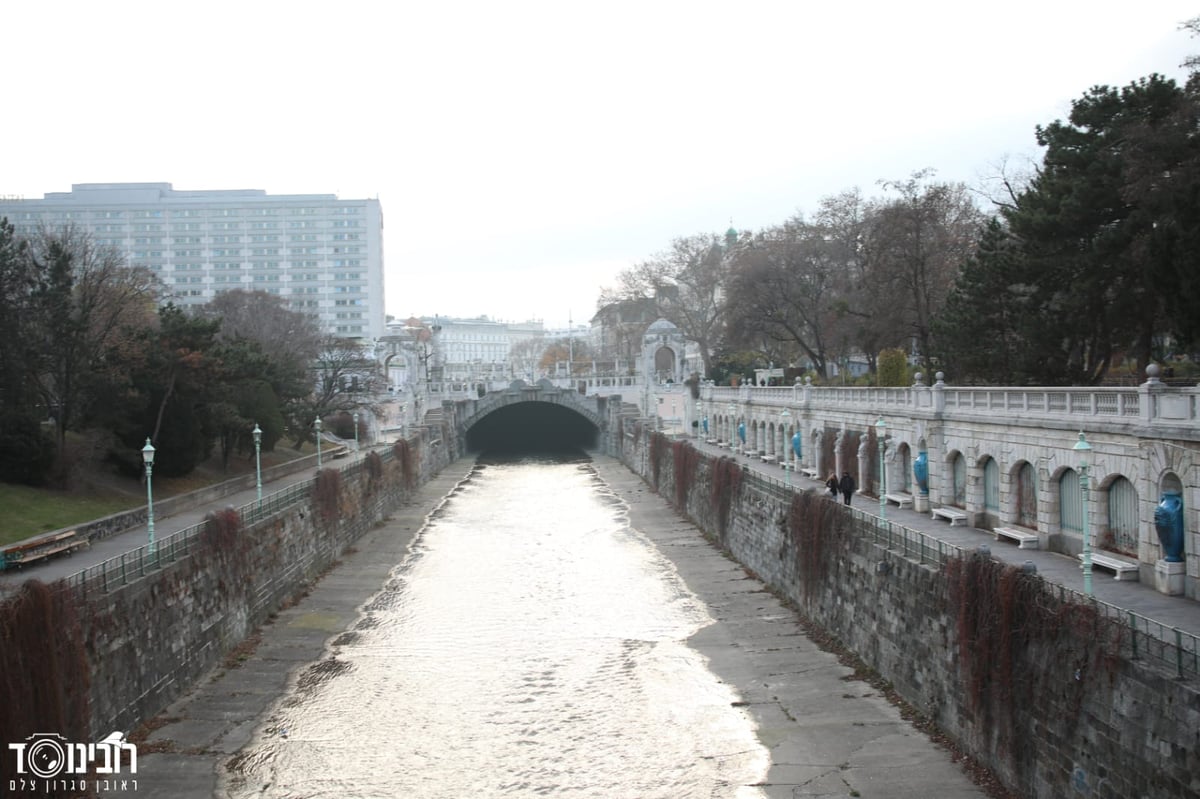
532, 643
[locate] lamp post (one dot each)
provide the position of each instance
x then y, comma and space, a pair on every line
148, 458
732, 425
880, 431
785, 416
356, 431
1083, 448
317, 425
257, 433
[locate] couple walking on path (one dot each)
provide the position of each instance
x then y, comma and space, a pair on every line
845, 486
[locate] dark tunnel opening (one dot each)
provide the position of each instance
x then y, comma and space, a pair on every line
531, 428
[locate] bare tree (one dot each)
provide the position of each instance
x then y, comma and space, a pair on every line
282, 334
342, 375
784, 289
919, 242
85, 300
687, 284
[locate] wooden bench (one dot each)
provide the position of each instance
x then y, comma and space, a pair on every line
1124, 569
953, 515
1026, 539
900, 498
809, 472
41, 546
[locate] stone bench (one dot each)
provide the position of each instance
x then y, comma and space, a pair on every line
953, 515
1026, 539
767, 458
900, 498
809, 472
1124, 569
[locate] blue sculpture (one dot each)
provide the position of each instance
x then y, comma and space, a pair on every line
705, 425
742, 431
1168, 523
921, 472
798, 446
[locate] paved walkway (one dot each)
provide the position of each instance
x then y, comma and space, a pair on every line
56, 568
1143, 599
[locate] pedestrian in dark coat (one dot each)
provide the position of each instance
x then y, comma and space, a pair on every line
832, 485
846, 486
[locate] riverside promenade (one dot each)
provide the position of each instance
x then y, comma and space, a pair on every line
817, 733
826, 734
1170, 611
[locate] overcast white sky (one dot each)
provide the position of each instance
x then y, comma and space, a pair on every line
525, 152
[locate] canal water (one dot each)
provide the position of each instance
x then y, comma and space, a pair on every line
531, 644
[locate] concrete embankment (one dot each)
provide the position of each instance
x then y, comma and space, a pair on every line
196, 734
827, 735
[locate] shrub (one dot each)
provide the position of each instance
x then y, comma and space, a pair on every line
892, 368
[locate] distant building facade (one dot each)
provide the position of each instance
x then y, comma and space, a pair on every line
321, 254
476, 349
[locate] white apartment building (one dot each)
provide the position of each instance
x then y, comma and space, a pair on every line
479, 348
322, 254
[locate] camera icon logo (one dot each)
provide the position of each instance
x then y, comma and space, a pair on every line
46, 754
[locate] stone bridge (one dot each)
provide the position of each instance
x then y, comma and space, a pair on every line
524, 417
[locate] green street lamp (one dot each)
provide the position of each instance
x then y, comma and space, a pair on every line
317, 426
356, 431
148, 459
1084, 448
880, 430
257, 433
785, 416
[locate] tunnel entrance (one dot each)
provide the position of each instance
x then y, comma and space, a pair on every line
531, 427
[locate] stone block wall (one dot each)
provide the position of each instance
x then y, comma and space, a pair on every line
1044, 692
127, 653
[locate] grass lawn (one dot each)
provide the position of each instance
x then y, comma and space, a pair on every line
26, 511
29, 511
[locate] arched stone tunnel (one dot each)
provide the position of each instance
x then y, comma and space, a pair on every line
531, 427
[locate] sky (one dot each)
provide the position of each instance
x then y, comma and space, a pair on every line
524, 153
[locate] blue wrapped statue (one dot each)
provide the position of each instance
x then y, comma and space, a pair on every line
1168, 523
742, 431
921, 472
798, 446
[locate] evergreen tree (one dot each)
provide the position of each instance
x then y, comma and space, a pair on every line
1095, 287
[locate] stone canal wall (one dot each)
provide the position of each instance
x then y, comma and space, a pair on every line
1045, 692
87, 660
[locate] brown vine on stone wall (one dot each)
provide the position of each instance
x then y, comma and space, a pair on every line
1025, 655
374, 466
658, 445
44, 673
816, 526
222, 529
406, 456
726, 483
685, 460
327, 490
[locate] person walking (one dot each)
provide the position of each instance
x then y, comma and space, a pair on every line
846, 486
832, 485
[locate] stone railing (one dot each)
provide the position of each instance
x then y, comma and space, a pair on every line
1153, 403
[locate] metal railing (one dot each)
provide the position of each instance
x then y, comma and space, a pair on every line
1145, 638
136, 563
